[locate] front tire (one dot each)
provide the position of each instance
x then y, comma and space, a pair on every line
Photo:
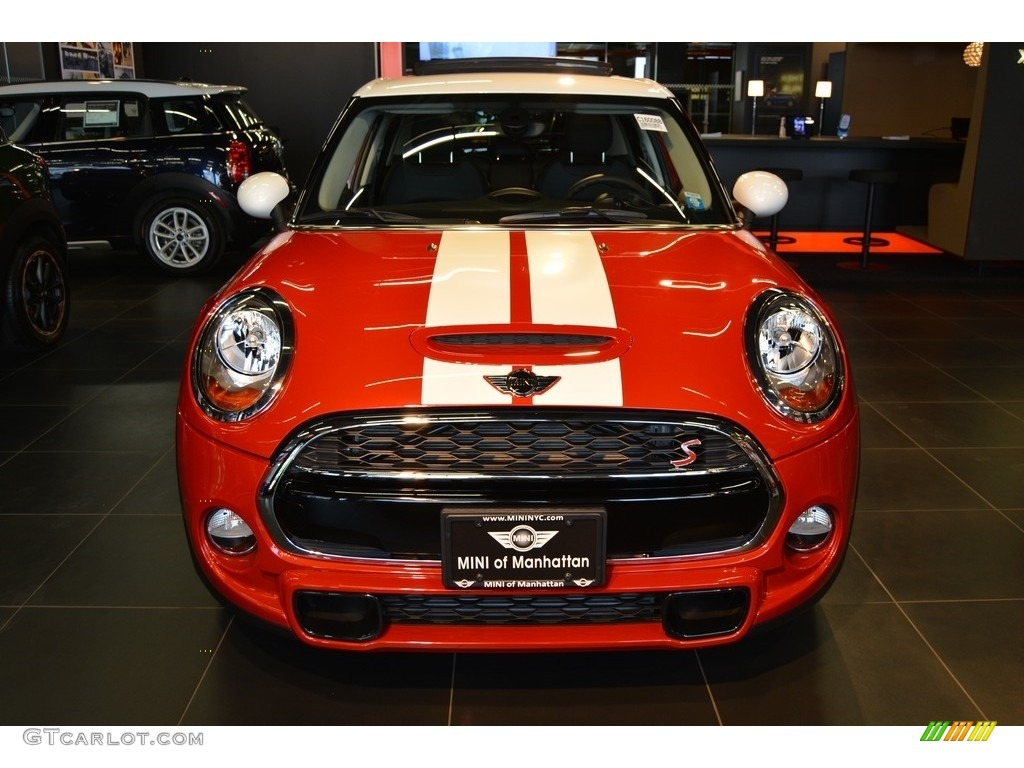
182, 237
37, 301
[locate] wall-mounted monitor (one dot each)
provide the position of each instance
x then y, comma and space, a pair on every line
431, 51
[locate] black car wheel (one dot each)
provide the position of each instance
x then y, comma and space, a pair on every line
182, 237
37, 300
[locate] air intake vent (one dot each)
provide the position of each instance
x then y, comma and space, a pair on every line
520, 340
529, 343
522, 609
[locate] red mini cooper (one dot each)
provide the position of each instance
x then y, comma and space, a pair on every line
514, 375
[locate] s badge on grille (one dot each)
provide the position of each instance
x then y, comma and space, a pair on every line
689, 455
522, 383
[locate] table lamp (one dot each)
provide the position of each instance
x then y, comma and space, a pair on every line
755, 88
823, 90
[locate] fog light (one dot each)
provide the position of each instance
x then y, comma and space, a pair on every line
812, 529
340, 616
230, 533
705, 613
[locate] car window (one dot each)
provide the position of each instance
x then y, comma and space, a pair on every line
240, 114
20, 119
102, 117
515, 159
190, 114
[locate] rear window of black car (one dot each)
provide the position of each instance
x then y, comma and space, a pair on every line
187, 114
240, 114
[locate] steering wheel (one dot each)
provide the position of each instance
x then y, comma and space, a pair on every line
604, 178
524, 192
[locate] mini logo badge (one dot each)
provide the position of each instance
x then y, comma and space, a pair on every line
522, 538
689, 456
522, 383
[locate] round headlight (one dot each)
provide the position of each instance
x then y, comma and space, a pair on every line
242, 355
789, 341
249, 342
794, 355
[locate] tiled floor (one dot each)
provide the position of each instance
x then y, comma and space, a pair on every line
103, 621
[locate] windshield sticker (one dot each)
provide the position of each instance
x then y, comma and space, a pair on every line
651, 123
694, 201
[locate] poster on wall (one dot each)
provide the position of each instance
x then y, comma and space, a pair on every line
97, 61
784, 71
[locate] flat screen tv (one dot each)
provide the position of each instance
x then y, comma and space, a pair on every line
431, 51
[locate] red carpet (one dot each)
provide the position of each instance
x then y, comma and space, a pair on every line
832, 242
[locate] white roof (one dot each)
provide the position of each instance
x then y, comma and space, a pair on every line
150, 88
515, 82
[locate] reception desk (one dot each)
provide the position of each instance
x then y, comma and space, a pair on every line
826, 200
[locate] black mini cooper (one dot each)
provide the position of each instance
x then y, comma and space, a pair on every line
144, 164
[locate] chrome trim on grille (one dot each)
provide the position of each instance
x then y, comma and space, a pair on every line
287, 458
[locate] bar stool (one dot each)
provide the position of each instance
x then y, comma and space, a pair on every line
788, 175
872, 178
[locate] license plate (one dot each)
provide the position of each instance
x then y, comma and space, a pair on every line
523, 549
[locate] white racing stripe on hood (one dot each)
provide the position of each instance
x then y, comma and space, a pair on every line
471, 285
568, 285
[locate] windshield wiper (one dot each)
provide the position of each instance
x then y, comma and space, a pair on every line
575, 213
355, 214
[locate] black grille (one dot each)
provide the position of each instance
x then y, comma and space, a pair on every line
522, 447
374, 485
522, 609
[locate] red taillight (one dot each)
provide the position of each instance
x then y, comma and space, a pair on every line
239, 161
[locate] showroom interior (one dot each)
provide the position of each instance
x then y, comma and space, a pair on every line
104, 621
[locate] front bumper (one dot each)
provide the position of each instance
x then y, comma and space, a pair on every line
736, 590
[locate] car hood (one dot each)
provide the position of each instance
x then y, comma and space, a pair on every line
606, 318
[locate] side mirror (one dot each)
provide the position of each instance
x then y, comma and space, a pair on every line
761, 194
262, 193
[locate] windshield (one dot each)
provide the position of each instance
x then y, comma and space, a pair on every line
513, 161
